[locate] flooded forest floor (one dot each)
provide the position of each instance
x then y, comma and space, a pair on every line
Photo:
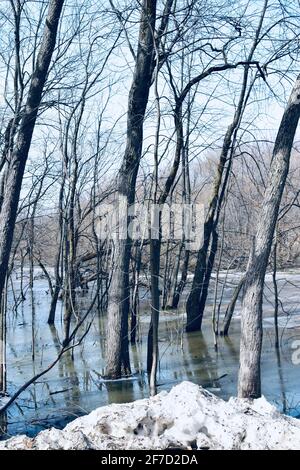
75, 386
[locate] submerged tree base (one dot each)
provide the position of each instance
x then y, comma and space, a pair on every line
187, 417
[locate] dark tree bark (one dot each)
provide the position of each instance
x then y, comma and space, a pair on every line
16, 154
231, 306
117, 352
135, 294
70, 254
249, 385
205, 260
186, 199
21, 149
206, 255
19, 154
58, 277
155, 251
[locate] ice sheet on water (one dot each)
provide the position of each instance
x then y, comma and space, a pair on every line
3, 400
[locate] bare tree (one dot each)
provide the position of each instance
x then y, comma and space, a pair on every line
117, 353
206, 255
249, 385
25, 121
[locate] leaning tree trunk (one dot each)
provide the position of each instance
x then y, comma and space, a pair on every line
249, 385
18, 157
186, 199
197, 298
117, 352
231, 307
205, 259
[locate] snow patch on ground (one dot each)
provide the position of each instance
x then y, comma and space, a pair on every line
186, 417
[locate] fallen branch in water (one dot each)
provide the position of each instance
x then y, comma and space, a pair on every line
56, 392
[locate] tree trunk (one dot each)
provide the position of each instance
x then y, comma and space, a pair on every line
197, 298
58, 278
117, 351
276, 298
54, 299
20, 152
249, 385
180, 286
155, 250
3, 307
152, 354
135, 295
209, 267
231, 306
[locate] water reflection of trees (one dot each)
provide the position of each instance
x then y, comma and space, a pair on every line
199, 365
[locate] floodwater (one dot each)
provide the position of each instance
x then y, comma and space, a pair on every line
75, 385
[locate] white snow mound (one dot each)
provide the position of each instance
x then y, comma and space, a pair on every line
186, 417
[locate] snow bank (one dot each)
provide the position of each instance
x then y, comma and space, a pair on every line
186, 417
